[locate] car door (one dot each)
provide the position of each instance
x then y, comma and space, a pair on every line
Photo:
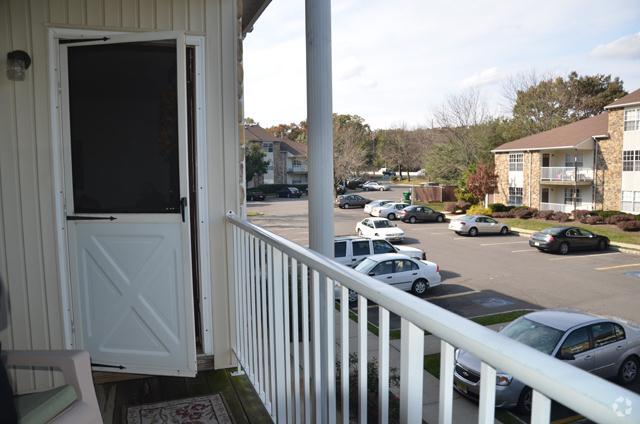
589, 240
575, 239
360, 250
404, 273
492, 225
340, 253
428, 214
383, 272
608, 345
578, 343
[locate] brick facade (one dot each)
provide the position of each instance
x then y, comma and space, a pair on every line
531, 189
501, 161
609, 164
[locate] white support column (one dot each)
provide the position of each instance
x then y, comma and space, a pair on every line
320, 159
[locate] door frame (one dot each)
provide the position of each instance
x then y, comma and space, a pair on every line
58, 171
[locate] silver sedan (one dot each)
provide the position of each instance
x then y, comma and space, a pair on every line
608, 348
476, 224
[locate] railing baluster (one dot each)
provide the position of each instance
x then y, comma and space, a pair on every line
272, 345
486, 412
330, 344
296, 347
305, 344
236, 292
243, 299
383, 365
287, 338
278, 305
258, 314
362, 359
315, 308
250, 310
344, 352
411, 372
540, 408
446, 383
264, 320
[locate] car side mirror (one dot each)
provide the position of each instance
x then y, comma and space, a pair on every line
566, 356
371, 274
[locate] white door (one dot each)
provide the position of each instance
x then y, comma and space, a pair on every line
126, 188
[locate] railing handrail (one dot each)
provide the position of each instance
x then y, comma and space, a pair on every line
566, 167
579, 390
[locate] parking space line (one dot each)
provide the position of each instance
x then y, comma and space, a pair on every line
523, 250
606, 268
445, 296
462, 238
504, 242
564, 258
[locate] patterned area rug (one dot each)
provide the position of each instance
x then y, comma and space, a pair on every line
197, 410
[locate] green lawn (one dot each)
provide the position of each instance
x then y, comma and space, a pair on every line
611, 231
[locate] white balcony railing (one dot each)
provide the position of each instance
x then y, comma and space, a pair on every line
566, 173
562, 207
292, 365
297, 168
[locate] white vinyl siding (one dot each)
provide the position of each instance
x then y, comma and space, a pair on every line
632, 119
631, 201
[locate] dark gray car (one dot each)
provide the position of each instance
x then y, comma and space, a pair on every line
415, 213
604, 347
351, 201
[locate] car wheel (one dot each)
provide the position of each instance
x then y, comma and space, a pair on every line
473, 231
525, 400
381, 189
504, 231
345, 206
412, 220
353, 297
563, 249
458, 233
391, 216
628, 372
602, 245
440, 218
420, 287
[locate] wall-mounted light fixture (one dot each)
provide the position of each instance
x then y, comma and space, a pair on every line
18, 62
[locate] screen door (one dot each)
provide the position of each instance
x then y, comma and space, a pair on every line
126, 197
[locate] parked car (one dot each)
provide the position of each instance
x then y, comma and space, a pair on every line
374, 186
389, 173
354, 183
289, 192
351, 250
341, 189
379, 227
351, 200
402, 272
476, 224
369, 206
604, 347
566, 239
388, 210
415, 213
255, 195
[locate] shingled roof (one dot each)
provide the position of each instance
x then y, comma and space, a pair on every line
630, 99
255, 132
568, 136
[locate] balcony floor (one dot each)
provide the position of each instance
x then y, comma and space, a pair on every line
242, 403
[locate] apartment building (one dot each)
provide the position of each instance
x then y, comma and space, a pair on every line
287, 159
590, 164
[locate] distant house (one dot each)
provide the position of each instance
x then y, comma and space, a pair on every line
590, 164
287, 158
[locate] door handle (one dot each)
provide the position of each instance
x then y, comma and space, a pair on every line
388, 277
353, 260
183, 208
587, 357
619, 347
415, 273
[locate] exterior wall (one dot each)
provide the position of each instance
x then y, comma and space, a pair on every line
28, 235
609, 165
502, 170
630, 179
531, 183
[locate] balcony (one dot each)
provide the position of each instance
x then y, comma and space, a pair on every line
567, 208
297, 169
289, 344
566, 175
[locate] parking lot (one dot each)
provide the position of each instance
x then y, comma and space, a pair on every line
490, 273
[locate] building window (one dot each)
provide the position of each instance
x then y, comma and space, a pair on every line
632, 119
268, 147
515, 196
573, 160
515, 161
631, 160
631, 201
568, 196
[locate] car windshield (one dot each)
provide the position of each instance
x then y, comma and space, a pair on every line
533, 334
366, 266
382, 224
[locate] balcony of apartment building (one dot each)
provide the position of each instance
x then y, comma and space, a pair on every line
297, 166
567, 168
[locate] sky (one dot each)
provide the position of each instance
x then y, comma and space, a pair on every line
396, 62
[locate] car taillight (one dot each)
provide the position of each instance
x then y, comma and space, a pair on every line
463, 224
549, 237
424, 256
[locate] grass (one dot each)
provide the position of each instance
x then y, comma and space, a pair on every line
254, 213
614, 233
432, 364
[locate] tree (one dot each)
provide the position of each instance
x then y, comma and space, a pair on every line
402, 149
351, 138
482, 180
292, 131
254, 161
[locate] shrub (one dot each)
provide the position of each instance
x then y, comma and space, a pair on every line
615, 219
449, 207
463, 206
274, 188
508, 214
629, 225
592, 220
524, 212
581, 213
544, 214
498, 207
479, 210
560, 216
607, 214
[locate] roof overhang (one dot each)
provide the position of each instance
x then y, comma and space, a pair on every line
251, 11
585, 144
622, 105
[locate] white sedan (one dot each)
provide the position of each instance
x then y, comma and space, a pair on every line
379, 228
374, 186
475, 224
369, 206
402, 272
388, 210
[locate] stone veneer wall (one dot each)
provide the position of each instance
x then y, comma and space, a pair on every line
501, 161
609, 164
531, 174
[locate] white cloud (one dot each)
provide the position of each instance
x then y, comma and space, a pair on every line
484, 77
627, 47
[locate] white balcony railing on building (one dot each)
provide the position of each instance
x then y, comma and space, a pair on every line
566, 173
292, 365
297, 168
565, 207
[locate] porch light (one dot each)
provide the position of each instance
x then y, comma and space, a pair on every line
18, 62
